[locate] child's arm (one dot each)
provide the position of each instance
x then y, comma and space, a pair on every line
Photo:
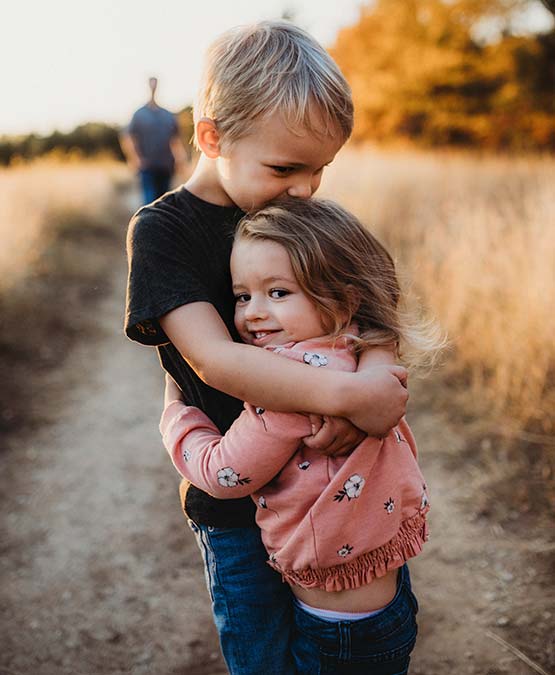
336, 436
373, 400
251, 453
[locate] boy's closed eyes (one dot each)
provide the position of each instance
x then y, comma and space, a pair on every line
268, 162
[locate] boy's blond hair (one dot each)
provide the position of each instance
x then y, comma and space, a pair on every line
256, 70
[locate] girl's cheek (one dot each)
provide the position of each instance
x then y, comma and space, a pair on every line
237, 319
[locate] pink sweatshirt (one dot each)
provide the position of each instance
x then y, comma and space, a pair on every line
327, 522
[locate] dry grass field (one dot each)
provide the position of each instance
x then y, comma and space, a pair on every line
91, 584
61, 222
38, 198
476, 238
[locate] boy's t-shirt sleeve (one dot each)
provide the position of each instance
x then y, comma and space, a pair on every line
164, 273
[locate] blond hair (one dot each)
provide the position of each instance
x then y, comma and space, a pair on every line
272, 66
347, 273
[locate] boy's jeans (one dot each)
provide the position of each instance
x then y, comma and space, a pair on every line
253, 608
378, 645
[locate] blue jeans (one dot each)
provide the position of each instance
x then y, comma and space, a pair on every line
378, 645
154, 183
253, 608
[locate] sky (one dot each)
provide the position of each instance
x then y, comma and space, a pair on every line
66, 62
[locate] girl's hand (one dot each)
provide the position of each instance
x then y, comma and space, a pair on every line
333, 436
172, 392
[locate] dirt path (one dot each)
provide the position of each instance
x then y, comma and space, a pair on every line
477, 582
100, 575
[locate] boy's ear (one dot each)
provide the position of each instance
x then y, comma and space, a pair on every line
208, 137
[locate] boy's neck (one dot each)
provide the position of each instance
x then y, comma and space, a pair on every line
204, 183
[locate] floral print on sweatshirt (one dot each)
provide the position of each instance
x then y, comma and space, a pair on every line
228, 478
351, 488
327, 522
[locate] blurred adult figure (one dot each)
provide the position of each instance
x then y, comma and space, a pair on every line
152, 146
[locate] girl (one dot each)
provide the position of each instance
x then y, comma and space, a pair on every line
312, 284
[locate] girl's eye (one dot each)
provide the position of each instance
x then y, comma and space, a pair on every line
242, 297
277, 293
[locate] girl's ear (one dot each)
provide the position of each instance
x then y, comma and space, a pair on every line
208, 137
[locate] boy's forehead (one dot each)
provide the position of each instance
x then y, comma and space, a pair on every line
316, 124
278, 135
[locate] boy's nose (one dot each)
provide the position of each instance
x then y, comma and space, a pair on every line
302, 189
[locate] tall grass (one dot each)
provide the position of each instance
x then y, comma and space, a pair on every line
477, 237
36, 197
62, 226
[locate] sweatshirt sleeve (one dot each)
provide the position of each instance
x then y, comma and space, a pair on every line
255, 448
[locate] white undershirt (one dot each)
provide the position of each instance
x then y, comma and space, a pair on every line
330, 615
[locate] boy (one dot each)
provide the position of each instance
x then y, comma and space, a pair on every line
272, 112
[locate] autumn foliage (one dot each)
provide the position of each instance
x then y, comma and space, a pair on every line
450, 73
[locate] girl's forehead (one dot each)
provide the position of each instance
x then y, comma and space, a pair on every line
258, 248
259, 256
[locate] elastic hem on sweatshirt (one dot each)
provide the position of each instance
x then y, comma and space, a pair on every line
406, 544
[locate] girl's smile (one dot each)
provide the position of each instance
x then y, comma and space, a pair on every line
260, 338
271, 308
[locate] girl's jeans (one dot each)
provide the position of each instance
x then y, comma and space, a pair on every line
253, 608
378, 645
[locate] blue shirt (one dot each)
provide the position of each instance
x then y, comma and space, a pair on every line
152, 129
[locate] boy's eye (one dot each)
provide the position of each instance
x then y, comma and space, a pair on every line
277, 293
282, 170
242, 297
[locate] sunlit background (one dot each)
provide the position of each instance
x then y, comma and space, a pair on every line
451, 164
67, 62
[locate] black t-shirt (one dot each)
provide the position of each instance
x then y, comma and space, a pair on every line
178, 250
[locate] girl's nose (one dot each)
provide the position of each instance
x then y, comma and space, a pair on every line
255, 310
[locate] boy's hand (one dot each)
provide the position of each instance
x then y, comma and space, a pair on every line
333, 436
172, 392
380, 400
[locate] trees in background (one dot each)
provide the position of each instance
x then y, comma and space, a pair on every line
450, 72
435, 72
87, 140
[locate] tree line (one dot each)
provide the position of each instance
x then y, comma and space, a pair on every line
88, 140
429, 72
451, 72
